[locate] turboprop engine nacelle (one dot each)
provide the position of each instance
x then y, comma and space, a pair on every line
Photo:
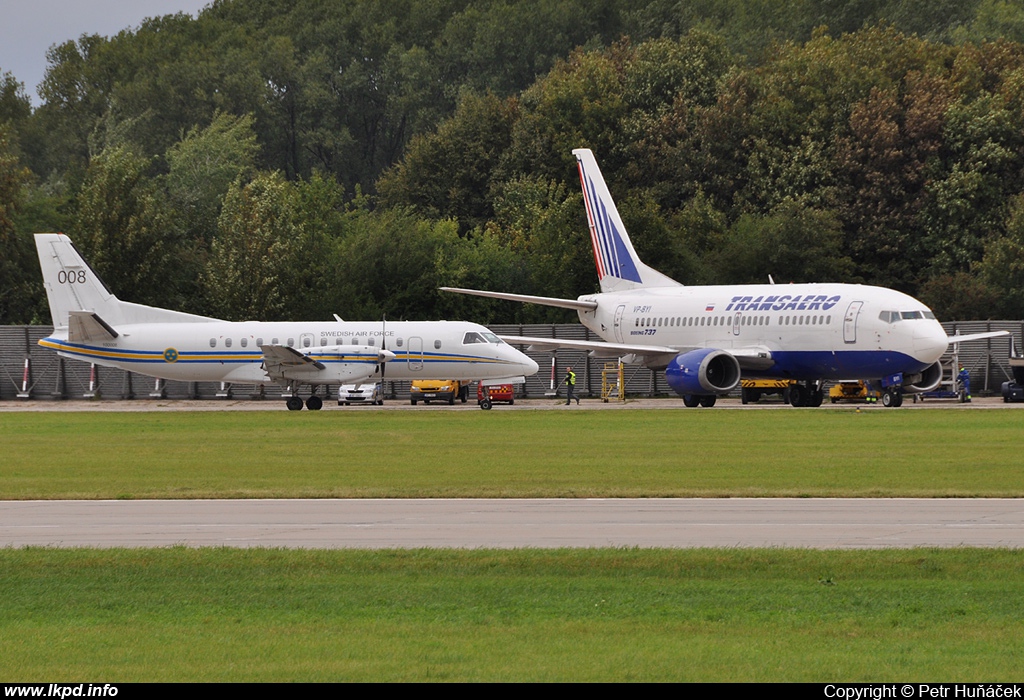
333, 364
703, 372
928, 380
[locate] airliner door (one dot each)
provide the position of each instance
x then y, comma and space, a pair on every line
415, 354
850, 322
618, 322
736, 322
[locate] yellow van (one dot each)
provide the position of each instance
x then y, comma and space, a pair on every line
427, 390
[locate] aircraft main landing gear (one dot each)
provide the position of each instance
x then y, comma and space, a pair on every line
694, 400
892, 397
294, 403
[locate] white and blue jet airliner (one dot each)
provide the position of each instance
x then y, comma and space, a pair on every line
93, 325
705, 337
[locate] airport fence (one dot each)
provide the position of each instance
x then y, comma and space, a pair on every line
31, 372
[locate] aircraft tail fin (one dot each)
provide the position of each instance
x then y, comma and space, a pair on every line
618, 266
72, 287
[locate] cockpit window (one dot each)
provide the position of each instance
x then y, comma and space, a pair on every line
889, 316
930, 315
484, 337
910, 315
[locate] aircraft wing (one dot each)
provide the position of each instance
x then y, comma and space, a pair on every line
975, 336
598, 348
527, 299
754, 357
278, 357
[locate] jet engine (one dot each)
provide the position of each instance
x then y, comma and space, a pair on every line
927, 380
703, 372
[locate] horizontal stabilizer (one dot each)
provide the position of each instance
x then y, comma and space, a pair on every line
88, 327
527, 299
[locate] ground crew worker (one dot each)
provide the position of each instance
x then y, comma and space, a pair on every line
570, 386
964, 377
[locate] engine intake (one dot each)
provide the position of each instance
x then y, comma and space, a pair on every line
928, 380
703, 372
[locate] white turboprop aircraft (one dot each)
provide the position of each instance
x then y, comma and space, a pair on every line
705, 337
92, 324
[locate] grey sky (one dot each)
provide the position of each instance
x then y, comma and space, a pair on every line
28, 29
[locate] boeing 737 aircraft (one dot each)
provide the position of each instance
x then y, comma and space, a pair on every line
92, 324
705, 337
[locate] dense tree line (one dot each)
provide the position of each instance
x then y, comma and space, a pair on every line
275, 160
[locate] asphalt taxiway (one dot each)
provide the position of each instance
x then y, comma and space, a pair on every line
839, 523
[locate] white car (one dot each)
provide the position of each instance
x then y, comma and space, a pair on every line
370, 394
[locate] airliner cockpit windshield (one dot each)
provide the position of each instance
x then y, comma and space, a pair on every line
474, 337
894, 316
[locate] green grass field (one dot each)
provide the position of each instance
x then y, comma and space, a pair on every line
650, 615
511, 454
713, 615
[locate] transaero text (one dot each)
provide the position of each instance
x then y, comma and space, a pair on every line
783, 302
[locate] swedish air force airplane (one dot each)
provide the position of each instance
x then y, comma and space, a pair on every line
705, 337
92, 324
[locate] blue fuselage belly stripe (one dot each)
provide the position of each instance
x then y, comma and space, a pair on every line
89, 352
850, 364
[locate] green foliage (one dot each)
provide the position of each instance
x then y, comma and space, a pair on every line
203, 165
15, 106
17, 251
121, 227
386, 265
249, 269
734, 136
1002, 267
792, 244
448, 173
545, 223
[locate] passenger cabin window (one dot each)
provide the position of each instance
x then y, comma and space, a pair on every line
398, 342
227, 342
259, 341
437, 344
291, 342
306, 342
244, 342
213, 342
323, 342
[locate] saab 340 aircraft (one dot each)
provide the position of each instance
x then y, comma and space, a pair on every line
92, 324
704, 337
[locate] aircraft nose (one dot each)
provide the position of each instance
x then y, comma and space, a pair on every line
930, 341
529, 366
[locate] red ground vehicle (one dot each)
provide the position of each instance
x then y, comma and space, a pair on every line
496, 393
